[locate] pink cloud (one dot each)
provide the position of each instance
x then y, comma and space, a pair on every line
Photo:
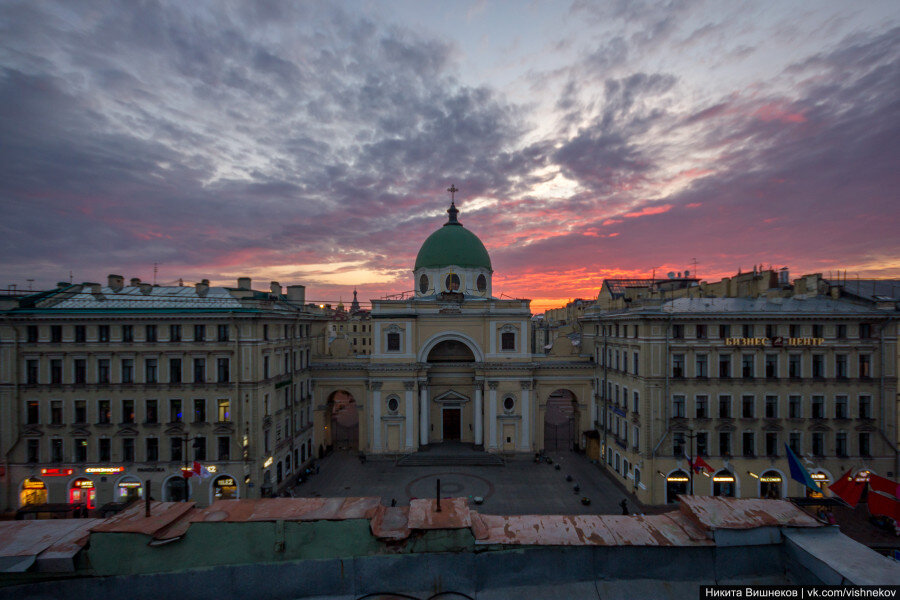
649, 210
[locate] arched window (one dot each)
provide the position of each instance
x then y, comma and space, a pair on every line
452, 282
676, 483
770, 485
423, 283
723, 484
481, 282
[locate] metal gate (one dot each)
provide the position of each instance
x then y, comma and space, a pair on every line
345, 437
560, 422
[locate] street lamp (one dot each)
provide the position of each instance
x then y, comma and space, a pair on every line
679, 438
186, 468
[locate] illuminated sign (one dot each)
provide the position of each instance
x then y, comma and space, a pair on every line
268, 462
129, 484
212, 468
724, 479
104, 470
57, 472
819, 476
678, 479
225, 482
775, 341
83, 483
862, 477
34, 484
770, 479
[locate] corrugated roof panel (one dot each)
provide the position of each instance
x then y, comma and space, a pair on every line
454, 514
22, 541
716, 512
159, 297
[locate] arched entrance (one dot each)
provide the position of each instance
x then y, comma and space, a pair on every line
344, 418
823, 480
82, 491
450, 411
128, 489
771, 484
224, 487
176, 489
676, 483
561, 421
723, 484
34, 491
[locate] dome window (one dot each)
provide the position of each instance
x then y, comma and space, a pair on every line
393, 405
509, 403
481, 282
423, 283
452, 282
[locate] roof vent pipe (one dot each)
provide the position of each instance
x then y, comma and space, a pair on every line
296, 293
115, 282
275, 287
202, 288
135, 281
244, 283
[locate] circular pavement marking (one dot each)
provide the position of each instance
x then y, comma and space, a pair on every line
459, 484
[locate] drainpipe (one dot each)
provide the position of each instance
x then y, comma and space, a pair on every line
665, 402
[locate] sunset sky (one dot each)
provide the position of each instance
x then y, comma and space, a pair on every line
312, 142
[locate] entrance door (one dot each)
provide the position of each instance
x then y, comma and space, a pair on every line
452, 417
509, 437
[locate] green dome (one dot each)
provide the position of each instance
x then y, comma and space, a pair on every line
453, 244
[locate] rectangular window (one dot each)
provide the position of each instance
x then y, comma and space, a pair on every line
150, 333
80, 411
151, 410
749, 444
678, 365
224, 448
104, 411
701, 332
33, 453
794, 369
80, 371
127, 333
865, 448
818, 365
222, 333
265, 332
702, 443
128, 411
174, 333
865, 407
865, 366
770, 331
200, 410
176, 449
265, 367
677, 446
32, 334
81, 447
702, 405
102, 333
104, 450
393, 341
771, 407
771, 366
795, 407
152, 446
150, 370
818, 407
102, 370
636, 434
56, 371
841, 409
199, 370
637, 402
724, 407
174, 370
771, 443
222, 370
678, 406
865, 330
56, 412
794, 442
175, 414
840, 366
32, 368
724, 443
701, 366
128, 450
748, 408
199, 333
841, 332
637, 370
507, 341
32, 412
677, 331
818, 443
840, 444
56, 334
724, 331
818, 330
127, 370
747, 366
80, 334
199, 448
56, 450
747, 330
224, 412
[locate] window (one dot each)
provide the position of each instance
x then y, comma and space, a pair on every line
702, 443
636, 363
481, 282
702, 405
102, 333
865, 366
818, 407
724, 331
81, 447
507, 340
104, 447
80, 334
677, 331
678, 406
128, 411
818, 365
724, 443
127, 333
423, 284
33, 453
32, 412
265, 331
32, 368
702, 363
56, 333
152, 446
222, 370
104, 411
771, 407
174, 333
794, 442
174, 370
224, 412
199, 333
175, 414
770, 331
864, 447
747, 330
841, 332
841, 410
200, 410
749, 444
151, 410
677, 445
150, 370
80, 371
747, 366
199, 370
637, 402
701, 332
678, 365
865, 330
55, 371
724, 407
748, 408
393, 342
80, 411
771, 366
199, 448
127, 370
818, 330
128, 450
32, 334
222, 333
451, 283
840, 444
150, 333
795, 407
794, 369
865, 407
818, 443
223, 448
56, 450
103, 370
840, 366
771, 443
176, 447
509, 403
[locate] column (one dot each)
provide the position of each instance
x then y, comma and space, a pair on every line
479, 416
492, 414
423, 415
526, 416
594, 400
410, 405
375, 386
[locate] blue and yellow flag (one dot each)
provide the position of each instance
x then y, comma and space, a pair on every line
798, 473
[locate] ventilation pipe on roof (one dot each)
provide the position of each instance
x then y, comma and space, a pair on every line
146, 288
135, 281
296, 293
115, 282
275, 287
202, 288
244, 283
93, 288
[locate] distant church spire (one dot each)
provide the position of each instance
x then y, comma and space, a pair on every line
452, 211
354, 306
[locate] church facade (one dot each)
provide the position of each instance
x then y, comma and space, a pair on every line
452, 363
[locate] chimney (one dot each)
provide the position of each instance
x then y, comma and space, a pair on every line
275, 288
145, 288
296, 293
244, 283
202, 288
135, 281
115, 282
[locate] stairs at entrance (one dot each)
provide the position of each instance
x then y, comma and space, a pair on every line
450, 455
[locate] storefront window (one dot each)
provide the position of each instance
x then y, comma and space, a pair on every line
82, 491
822, 480
676, 483
225, 488
174, 489
770, 485
723, 484
129, 489
33, 492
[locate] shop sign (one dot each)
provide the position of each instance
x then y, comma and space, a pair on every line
775, 341
268, 462
83, 483
225, 482
34, 484
862, 477
724, 479
678, 478
150, 469
57, 472
104, 470
819, 476
212, 468
770, 479
129, 484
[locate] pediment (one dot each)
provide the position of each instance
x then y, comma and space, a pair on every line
80, 432
451, 396
32, 432
174, 430
127, 432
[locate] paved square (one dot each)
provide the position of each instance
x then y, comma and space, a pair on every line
520, 487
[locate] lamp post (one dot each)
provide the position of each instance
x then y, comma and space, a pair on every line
196, 444
679, 437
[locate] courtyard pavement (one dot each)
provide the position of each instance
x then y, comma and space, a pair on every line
520, 487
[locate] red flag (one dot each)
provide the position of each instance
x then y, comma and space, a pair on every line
879, 504
882, 484
701, 464
848, 489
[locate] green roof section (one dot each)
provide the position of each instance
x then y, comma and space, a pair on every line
453, 244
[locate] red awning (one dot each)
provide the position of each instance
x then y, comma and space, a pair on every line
882, 484
848, 489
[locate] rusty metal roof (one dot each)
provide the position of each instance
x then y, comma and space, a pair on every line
163, 515
454, 514
391, 523
288, 509
716, 512
52, 543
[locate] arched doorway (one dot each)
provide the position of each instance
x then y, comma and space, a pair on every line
34, 491
771, 484
676, 483
224, 487
176, 489
723, 484
561, 421
128, 489
822, 479
344, 418
82, 491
